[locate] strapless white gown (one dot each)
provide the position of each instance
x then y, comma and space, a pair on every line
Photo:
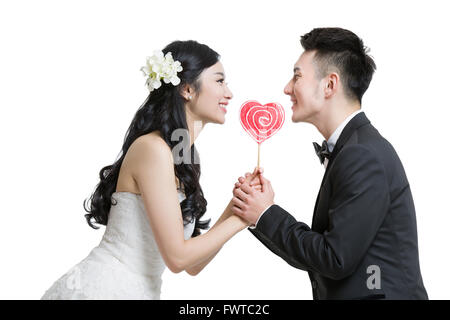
125, 265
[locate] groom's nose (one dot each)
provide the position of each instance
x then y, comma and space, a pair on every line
288, 88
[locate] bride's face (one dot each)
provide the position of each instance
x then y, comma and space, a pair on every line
209, 105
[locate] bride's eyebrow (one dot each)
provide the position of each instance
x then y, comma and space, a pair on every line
220, 74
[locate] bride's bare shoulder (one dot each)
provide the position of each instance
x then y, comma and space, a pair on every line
150, 145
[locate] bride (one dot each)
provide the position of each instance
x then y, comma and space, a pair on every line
151, 202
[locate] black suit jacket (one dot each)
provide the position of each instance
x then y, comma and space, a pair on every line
363, 239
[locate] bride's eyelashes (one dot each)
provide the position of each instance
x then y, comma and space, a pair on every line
221, 81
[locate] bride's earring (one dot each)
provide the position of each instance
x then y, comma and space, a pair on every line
190, 97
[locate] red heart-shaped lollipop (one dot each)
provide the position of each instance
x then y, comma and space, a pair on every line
261, 121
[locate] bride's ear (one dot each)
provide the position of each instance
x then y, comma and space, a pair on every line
187, 92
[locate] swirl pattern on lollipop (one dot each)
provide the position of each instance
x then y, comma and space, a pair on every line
261, 121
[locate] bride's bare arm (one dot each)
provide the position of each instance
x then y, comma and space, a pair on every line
154, 174
194, 270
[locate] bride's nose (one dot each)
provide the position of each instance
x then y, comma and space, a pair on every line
228, 94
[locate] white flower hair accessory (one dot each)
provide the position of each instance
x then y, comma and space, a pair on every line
160, 67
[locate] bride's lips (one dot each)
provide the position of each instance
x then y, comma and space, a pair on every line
222, 106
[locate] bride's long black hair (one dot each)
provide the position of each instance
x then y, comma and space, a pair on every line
163, 111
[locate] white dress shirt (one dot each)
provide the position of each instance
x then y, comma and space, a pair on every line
331, 144
336, 134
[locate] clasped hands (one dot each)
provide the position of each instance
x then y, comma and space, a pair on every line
252, 195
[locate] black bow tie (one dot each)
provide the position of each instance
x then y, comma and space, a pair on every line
322, 151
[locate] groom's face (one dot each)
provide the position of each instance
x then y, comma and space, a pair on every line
304, 89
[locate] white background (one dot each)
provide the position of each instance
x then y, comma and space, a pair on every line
70, 85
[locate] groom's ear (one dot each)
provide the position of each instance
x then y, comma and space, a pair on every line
331, 85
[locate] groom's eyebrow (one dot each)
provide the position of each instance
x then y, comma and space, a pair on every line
297, 69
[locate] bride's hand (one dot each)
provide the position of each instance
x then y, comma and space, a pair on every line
251, 178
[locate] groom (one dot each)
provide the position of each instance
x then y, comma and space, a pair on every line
363, 240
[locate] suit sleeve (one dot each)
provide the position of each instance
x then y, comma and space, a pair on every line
358, 205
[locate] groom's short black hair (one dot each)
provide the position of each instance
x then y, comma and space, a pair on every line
343, 51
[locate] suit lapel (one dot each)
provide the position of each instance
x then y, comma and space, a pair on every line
359, 120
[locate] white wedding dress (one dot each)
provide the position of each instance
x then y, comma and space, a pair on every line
125, 265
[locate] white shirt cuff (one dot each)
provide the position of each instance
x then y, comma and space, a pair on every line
254, 226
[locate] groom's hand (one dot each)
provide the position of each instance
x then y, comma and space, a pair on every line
249, 203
